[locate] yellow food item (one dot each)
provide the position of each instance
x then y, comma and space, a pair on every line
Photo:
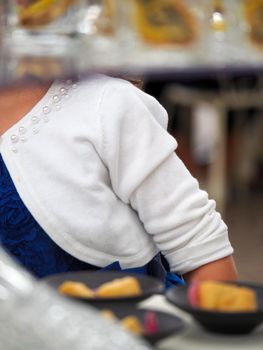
76, 289
106, 21
129, 323
42, 12
132, 324
253, 11
126, 286
120, 287
221, 296
108, 314
164, 22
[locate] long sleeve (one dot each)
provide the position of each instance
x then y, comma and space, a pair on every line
147, 174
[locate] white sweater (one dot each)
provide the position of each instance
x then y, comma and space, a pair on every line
96, 168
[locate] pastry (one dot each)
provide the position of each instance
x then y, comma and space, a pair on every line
108, 314
35, 13
132, 324
120, 287
76, 289
164, 22
129, 323
220, 296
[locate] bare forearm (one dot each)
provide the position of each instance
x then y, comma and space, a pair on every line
223, 269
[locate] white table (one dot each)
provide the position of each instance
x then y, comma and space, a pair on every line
193, 337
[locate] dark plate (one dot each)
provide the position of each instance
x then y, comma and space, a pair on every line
167, 324
221, 322
93, 280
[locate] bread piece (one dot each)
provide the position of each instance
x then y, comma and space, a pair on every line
43, 12
120, 287
132, 324
226, 297
110, 315
165, 22
129, 323
76, 289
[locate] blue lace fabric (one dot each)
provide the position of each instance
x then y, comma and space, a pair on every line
24, 238
29, 244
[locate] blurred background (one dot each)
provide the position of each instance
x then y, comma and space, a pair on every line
201, 59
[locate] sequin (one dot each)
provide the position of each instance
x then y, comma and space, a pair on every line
56, 98
53, 104
14, 138
35, 130
46, 110
63, 91
22, 130
35, 119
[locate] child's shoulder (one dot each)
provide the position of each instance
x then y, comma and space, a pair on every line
118, 89
99, 82
95, 87
102, 93
98, 88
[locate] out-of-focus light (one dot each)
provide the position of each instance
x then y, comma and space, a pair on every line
218, 21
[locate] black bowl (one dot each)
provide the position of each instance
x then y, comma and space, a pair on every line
167, 324
93, 279
221, 322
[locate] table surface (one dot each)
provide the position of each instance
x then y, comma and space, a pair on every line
193, 337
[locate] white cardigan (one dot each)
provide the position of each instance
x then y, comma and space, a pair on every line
96, 168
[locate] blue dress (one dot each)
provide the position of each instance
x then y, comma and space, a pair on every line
29, 244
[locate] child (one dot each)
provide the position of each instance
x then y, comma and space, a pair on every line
89, 179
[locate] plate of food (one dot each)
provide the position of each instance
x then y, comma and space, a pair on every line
152, 325
103, 288
221, 307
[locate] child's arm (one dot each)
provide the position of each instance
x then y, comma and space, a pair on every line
222, 269
147, 174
